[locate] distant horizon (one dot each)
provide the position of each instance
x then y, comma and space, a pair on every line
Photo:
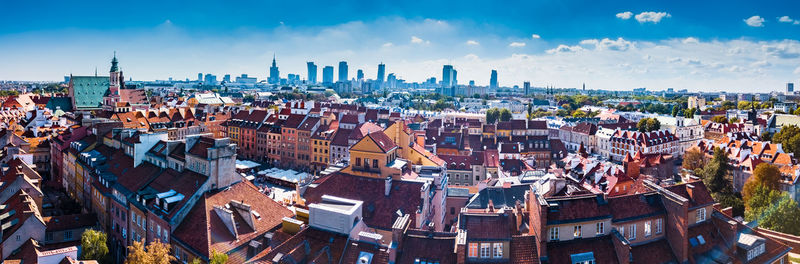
737, 46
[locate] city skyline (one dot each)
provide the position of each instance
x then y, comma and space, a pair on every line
701, 47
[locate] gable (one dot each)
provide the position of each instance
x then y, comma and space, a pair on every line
366, 144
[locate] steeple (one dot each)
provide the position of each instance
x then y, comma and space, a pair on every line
273, 60
114, 62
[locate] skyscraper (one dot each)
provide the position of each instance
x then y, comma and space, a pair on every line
200, 77
274, 74
381, 72
312, 72
226, 78
342, 71
360, 75
493, 80
527, 86
447, 75
327, 75
789, 88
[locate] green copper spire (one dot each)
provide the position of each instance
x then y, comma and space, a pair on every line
114, 62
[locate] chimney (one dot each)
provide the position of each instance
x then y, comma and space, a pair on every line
388, 186
461, 247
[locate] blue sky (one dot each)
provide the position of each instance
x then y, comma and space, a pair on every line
697, 45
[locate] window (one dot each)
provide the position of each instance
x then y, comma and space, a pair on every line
366, 163
48, 236
68, 235
658, 226
577, 231
473, 250
375, 164
701, 215
498, 250
632, 234
358, 161
622, 230
485, 250
600, 228
554, 233
647, 229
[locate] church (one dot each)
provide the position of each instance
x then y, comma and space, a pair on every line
109, 93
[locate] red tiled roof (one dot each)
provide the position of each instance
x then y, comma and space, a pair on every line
433, 247
657, 251
578, 208
67, 222
341, 137
699, 195
524, 250
483, 226
383, 141
379, 210
320, 244
602, 248
634, 206
204, 231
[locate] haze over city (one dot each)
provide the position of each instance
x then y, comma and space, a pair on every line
740, 46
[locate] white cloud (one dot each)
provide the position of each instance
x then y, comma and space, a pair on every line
517, 44
787, 19
619, 44
690, 40
625, 15
786, 49
755, 21
652, 17
761, 63
472, 43
536, 36
564, 49
387, 44
416, 40
796, 70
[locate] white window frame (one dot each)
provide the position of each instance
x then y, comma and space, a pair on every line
632, 234
554, 233
659, 223
486, 250
600, 228
576, 231
700, 215
648, 230
497, 250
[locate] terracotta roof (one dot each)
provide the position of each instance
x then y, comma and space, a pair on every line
657, 251
321, 245
524, 250
203, 230
383, 141
429, 246
67, 222
294, 121
635, 206
487, 226
578, 208
341, 137
699, 195
601, 247
308, 124
379, 210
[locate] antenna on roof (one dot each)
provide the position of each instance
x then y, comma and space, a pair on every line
95, 71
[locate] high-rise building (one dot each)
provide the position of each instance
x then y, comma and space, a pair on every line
360, 75
342, 71
312, 72
527, 88
210, 79
381, 72
447, 75
274, 74
391, 81
455, 77
327, 75
493, 80
200, 77
226, 78
790, 88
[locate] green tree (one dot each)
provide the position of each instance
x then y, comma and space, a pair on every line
505, 114
95, 245
789, 137
733, 120
766, 175
719, 119
716, 171
694, 159
530, 110
773, 210
156, 253
744, 105
675, 110
642, 125
796, 111
218, 258
492, 115
579, 114
728, 105
653, 124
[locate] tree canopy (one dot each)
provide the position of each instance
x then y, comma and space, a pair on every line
648, 124
156, 253
94, 245
789, 137
765, 174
